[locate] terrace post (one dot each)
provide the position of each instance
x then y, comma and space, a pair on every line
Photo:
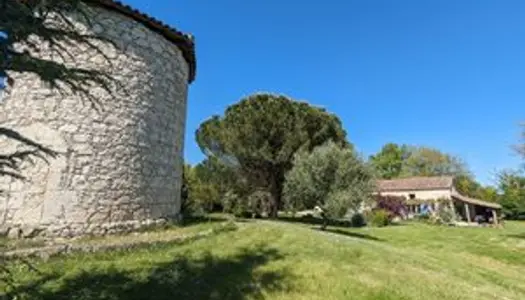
467, 213
494, 217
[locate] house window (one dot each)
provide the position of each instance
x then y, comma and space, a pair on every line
412, 196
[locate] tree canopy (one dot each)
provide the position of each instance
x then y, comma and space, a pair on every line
426, 161
394, 161
259, 136
388, 162
512, 186
466, 185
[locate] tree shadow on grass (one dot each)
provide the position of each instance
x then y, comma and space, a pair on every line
207, 277
311, 220
517, 236
350, 234
192, 220
314, 221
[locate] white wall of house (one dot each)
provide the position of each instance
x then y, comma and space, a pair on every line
421, 194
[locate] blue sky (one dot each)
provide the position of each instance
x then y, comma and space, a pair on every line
443, 73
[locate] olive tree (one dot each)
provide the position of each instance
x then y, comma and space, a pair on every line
332, 178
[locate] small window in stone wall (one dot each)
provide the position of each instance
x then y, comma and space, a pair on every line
412, 196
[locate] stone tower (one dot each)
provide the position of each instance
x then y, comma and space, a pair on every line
118, 168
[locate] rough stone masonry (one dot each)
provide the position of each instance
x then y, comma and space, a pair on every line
118, 168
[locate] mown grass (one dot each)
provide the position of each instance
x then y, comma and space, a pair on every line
281, 260
160, 233
154, 233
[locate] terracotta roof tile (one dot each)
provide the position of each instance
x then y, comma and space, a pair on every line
416, 183
183, 41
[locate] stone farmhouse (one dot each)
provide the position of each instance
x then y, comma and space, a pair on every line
119, 168
429, 193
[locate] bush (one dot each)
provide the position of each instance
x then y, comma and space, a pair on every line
258, 202
243, 214
444, 214
241, 209
394, 205
422, 217
379, 218
249, 206
358, 220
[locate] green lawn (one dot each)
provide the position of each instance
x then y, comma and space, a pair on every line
279, 260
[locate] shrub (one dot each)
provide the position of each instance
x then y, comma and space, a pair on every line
249, 206
358, 220
241, 209
229, 201
394, 205
379, 218
435, 220
422, 217
188, 206
446, 214
258, 202
442, 215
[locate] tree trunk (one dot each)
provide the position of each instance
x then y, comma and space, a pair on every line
276, 189
325, 222
274, 206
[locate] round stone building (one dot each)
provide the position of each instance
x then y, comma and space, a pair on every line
119, 167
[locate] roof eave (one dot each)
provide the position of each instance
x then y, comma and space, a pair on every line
476, 201
416, 189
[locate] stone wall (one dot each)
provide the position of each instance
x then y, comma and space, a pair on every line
119, 167
421, 194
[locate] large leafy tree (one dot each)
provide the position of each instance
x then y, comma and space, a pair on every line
259, 135
199, 195
394, 161
388, 162
331, 177
466, 185
426, 161
512, 187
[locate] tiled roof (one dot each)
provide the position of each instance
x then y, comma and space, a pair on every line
183, 41
416, 183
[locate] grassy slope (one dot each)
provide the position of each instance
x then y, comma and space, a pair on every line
275, 260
